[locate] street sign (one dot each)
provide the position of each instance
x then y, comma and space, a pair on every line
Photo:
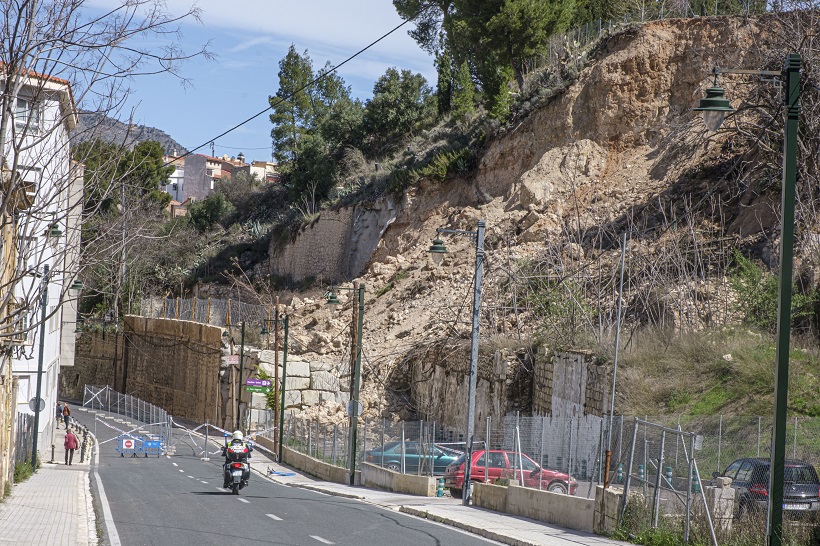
232, 359
128, 443
32, 404
256, 388
350, 406
258, 382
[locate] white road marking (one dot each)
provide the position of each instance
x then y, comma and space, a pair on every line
274, 518
203, 481
246, 501
175, 464
191, 477
322, 540
113, 536
219, 489
181, 470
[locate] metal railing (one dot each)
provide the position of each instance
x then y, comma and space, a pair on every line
107, 400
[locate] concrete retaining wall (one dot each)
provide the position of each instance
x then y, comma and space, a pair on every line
490, 496
381, 478
314, 467
567, 511
607, 503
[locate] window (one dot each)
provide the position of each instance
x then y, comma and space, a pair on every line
731, 470
527, 464
209, 172
497, 460
745, 472
26, 116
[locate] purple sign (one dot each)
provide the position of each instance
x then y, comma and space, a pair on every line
258, 382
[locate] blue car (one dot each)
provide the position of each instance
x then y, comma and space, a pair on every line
418, 457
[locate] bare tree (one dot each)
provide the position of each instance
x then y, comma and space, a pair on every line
58, 58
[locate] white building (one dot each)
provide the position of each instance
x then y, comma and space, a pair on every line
48, 233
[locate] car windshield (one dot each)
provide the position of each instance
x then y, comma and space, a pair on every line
458, 461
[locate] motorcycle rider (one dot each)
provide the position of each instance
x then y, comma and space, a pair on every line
236, 451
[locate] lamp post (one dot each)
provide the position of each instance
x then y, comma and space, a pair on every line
38, 392
355, 373
437, 251
284, 379
714, 108
267, 324
239, 382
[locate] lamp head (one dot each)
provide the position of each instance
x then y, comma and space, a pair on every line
76, 285
437, 251
79, 328
54, 231
224, 334
331, 298
714, 107
264, 331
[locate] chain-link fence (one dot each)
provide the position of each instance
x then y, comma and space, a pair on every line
23, 438
216, 312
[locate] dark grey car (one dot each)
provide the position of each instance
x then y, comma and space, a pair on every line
750, 480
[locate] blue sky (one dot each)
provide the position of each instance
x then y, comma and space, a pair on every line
249, 37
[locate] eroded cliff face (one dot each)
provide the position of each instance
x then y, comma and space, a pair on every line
563, 183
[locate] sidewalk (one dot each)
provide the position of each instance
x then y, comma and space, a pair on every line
498, 526
52, 507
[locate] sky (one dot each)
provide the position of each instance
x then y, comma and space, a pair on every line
249, 38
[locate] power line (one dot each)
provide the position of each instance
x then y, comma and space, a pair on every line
313, 81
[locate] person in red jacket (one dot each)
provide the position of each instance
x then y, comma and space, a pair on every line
70, 445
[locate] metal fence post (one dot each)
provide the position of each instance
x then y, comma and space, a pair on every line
628, 481
656, 498
403, 449
487, 450
382, 449
333, 448
720, 439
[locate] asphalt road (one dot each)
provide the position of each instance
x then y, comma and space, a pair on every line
179, 501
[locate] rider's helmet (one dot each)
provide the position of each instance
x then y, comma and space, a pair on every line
237, 435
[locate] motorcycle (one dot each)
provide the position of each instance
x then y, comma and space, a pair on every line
236, 475
237, 469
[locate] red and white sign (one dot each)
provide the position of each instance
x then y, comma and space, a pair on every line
128, 443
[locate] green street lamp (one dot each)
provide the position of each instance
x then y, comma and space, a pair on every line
716, 105
55, 231
355, 373
76, 285
437, 252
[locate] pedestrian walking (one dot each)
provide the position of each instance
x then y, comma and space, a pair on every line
66, 414
70, 445
59, 414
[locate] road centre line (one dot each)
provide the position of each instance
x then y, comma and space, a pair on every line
246, 501
175, 464
203, 481
320, 539
274, 518
181, 470
191, 477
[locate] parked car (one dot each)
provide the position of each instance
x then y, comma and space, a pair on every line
505, 465
750, 480
417, 457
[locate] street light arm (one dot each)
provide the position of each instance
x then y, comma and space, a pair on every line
776, 73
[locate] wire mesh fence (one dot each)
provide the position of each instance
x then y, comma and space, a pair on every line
216, 312
24, 438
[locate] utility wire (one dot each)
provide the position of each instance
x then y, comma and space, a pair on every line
321, 76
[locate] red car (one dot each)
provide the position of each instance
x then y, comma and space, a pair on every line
505, 464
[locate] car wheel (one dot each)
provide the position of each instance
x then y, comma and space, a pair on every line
395, 467
456, 493
557, 487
